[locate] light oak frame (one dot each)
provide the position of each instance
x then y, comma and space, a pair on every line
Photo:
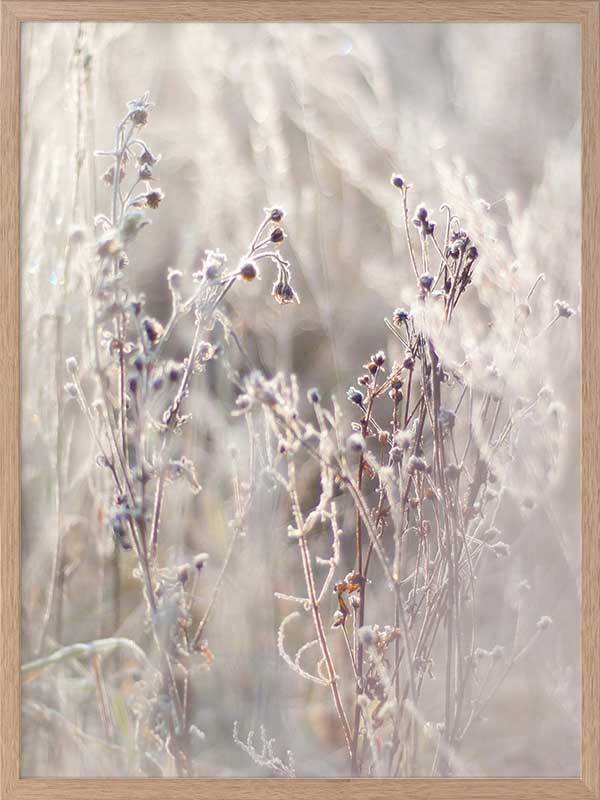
12, 14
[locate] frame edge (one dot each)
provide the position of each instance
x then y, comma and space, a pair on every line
9, 401
590, 448
11, 786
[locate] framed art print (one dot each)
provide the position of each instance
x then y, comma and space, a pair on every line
300, 419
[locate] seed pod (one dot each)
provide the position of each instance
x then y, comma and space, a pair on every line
314, 396
200, 560
249, 271
183, 573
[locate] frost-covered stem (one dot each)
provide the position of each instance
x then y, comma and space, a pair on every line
119, 323
314, 605
411, 252
32, 669
358, 657
170, 424
310, 585
158, 500
216, 588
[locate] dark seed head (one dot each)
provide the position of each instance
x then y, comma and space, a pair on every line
152, 328
314, 396
154, 198
355, 396
147, 157
426, 280
174, 372
71, 365
277, 214
200, 560
379, 358
249, 271
400, 316
183, 573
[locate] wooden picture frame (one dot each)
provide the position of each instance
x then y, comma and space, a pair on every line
585, 13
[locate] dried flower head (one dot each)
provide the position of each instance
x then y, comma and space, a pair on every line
355, 396
249, 271
282, 290
277, 235
200, 560
426, 280
400, 316
138, 109
72, 365
314, 396
276, 214
563, 309
421, 214
154, 198
148, 157
183, 573
153, 330
543, 623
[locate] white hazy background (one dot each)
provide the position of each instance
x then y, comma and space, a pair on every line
314, 118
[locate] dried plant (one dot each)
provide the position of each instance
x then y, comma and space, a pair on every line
133, 398
426, 468
427, 511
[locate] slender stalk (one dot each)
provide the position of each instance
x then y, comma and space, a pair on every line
318, 622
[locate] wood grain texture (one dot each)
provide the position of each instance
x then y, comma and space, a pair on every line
590, 586
305, 10
587, 14
10, 527
277, 789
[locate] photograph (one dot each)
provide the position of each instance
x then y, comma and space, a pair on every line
300, 399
